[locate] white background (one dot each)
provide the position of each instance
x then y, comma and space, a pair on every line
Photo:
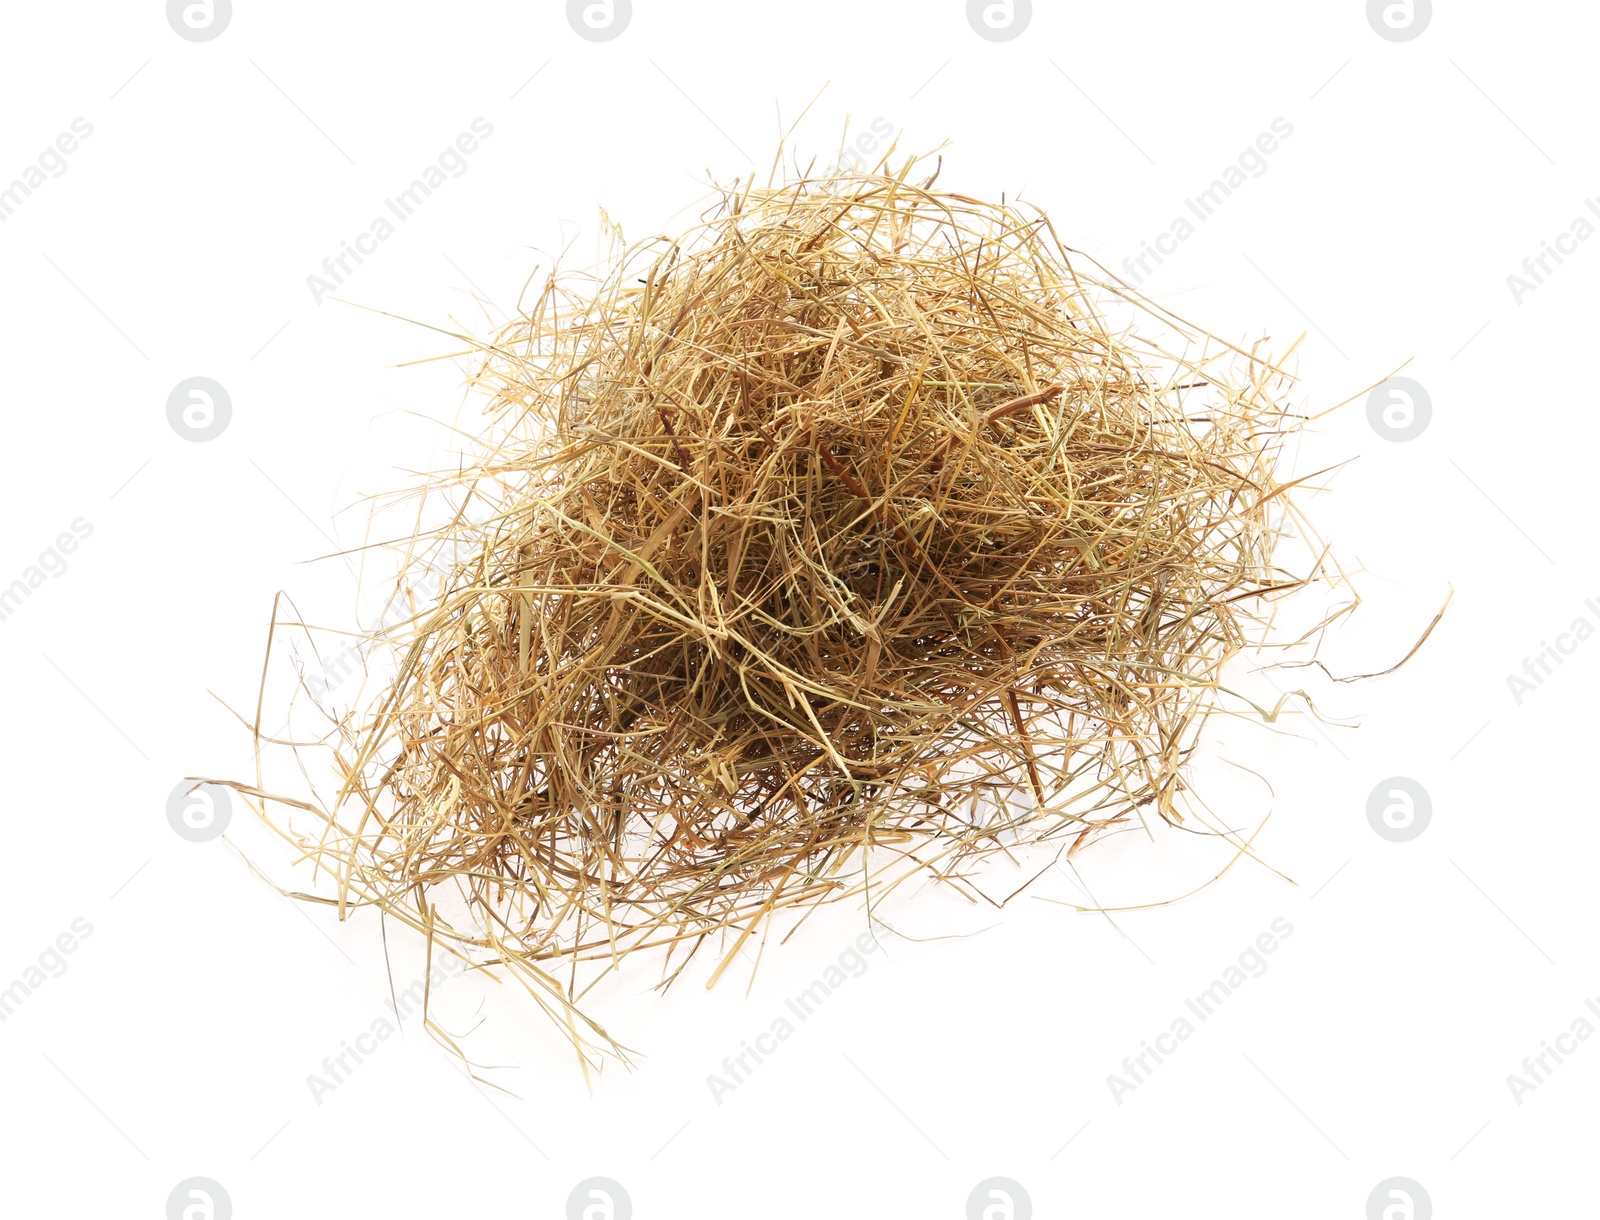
177, 243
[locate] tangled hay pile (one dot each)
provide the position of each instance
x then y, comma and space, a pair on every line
854, 535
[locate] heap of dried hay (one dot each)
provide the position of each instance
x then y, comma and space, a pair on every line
856, 530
